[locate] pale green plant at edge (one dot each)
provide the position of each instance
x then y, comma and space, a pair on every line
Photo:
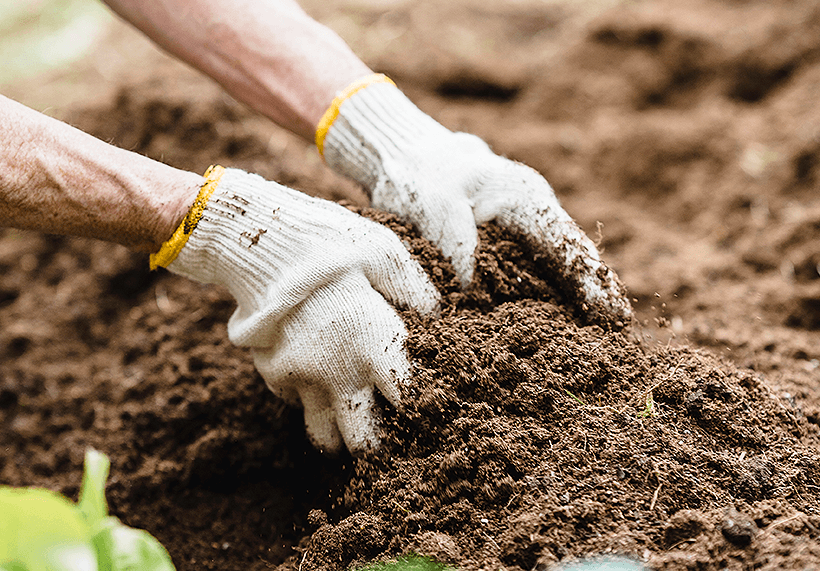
408, 563
41, 530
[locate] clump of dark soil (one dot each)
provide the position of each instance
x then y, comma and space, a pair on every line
530, 438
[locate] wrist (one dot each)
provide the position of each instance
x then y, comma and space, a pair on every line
174, 194
182, 218
370, 124
242, 232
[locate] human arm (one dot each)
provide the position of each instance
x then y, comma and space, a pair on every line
313, 281
268, 54
272, 56
56, 179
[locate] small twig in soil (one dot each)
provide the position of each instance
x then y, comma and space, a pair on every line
599, 343
574, 397
401, 507
512, 497
659, 383
678, 544
655, 497
487, 535
783, 520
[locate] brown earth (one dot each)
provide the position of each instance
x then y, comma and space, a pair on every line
689, 130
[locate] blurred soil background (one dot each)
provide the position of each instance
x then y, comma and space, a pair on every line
684, 136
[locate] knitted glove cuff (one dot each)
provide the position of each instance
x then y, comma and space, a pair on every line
172, 247
273, 247
375, 125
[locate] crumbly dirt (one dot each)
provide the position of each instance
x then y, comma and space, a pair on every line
683, 136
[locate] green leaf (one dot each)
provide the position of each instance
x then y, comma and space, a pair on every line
43, 531
92, 502
408, 563
133, 549
118, 547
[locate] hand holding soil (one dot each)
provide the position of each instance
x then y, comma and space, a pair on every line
448, 183
312, 281
58, 180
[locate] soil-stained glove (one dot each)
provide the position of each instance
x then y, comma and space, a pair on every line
312, 281
446, 183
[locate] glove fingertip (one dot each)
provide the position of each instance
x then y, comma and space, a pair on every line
320, 425
606, 300
454, 231
465, 269
391, 374
462, 257
423, 295
357, 421
461, 251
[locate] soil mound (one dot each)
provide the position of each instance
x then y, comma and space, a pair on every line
530, 438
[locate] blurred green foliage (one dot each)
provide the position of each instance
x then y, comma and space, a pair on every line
408, 563
39, 35
42, 531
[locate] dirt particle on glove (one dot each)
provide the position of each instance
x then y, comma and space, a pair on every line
230, 205
238, 198
254, 238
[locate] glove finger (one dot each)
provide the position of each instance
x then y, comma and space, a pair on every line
393, 272
320, 419
288, 374
372, 354
357, 420
389, 365
446, 222
392, 372
377, 340
287, 393
338, 344
458, 239
519, 198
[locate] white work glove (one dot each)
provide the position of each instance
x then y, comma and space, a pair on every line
447, 183
312, 281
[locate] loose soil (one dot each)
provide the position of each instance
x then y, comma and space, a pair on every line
684, 136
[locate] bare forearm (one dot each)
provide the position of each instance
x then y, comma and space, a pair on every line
57, 179
268, 54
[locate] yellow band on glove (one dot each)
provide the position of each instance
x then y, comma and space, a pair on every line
171, 248
333, 111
